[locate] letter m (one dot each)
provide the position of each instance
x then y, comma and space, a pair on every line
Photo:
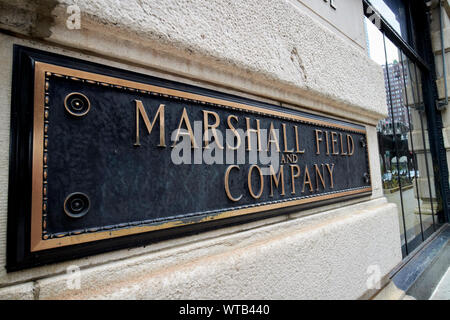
140, 110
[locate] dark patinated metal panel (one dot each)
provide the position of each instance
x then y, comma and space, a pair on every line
102, 158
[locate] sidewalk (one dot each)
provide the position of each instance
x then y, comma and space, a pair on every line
442, 291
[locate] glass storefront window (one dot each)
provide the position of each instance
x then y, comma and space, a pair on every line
396, 14
405, 160
422, 222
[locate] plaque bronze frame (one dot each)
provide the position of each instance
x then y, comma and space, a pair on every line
32, 69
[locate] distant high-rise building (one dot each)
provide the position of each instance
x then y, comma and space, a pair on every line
394, 82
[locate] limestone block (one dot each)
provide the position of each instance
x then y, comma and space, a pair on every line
18, 292
271, 42
323, 261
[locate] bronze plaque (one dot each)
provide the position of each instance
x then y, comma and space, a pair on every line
104, 158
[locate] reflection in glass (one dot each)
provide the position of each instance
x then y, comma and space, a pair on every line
405, 158
403, 145
414, 218
426, 184
375, 45
394, 12
395, 159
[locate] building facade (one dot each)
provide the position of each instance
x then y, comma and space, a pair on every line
295, 57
